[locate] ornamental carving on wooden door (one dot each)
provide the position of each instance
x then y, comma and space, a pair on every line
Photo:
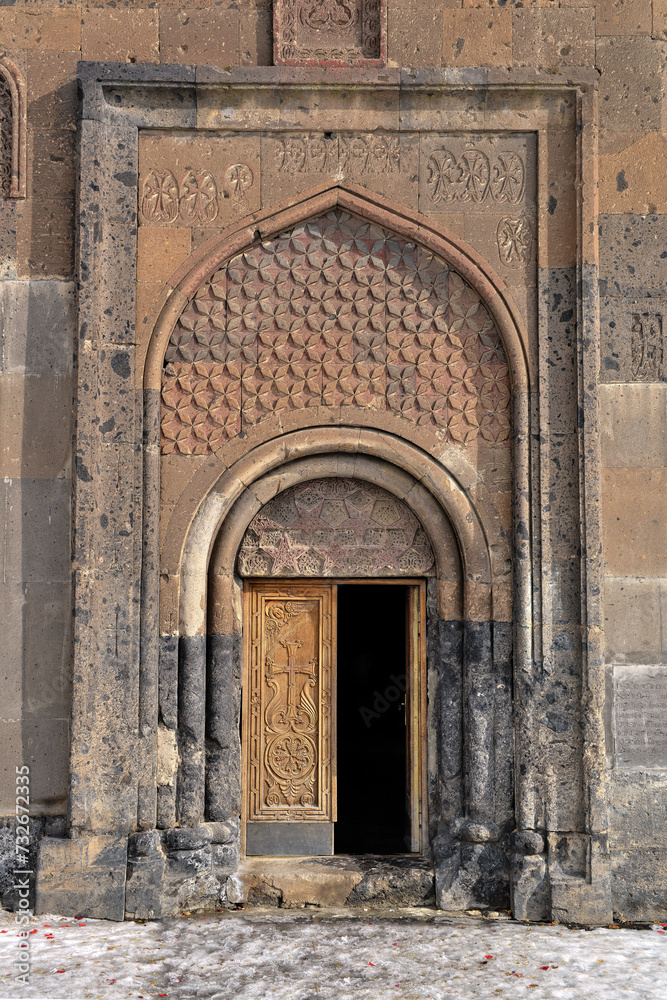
290, 765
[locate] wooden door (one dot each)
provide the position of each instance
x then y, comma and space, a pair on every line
289, 713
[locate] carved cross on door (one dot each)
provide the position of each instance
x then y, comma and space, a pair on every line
293, 669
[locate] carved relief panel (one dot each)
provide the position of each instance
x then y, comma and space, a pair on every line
329, 32
289, 711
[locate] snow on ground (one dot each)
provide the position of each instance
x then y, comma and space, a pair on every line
279, 955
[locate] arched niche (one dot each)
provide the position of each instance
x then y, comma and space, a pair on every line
13, 149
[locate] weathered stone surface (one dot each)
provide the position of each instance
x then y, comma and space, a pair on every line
640, 724
638, 881
633, 255
635, 534
530, 895
638, 813
84, 877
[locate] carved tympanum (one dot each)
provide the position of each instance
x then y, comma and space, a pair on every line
334, 312
335, 528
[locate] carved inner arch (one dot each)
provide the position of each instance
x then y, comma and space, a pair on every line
334, 312
335, 528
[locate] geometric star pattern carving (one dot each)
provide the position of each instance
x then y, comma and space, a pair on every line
334, 312
335, 527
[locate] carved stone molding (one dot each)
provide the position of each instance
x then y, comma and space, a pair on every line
330, 32
12, 130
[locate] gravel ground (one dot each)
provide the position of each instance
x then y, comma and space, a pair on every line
285, 955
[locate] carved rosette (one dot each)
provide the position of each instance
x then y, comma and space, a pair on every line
334, 312
289, 725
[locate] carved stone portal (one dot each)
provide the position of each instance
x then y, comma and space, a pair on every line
335, 527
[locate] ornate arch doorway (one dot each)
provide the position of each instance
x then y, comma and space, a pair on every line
334, 686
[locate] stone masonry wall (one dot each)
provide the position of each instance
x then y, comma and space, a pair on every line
626, 40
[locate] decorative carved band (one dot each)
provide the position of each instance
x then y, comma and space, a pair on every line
335, 312
362, 153
333, 528
474, 178
193, 199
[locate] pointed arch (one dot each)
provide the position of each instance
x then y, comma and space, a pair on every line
460, 256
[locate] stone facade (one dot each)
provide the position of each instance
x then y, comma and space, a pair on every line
427, 252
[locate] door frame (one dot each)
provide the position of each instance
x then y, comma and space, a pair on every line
416, 692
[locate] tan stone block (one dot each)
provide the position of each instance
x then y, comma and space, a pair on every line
52, 155
634, 521
120, 35
632, 620
659, 27
216, 179
52, 89
256, 34
160, 252
36, 418
610, 141
558, 217
477, 38
634, 180
623, 17
631, 83
42, 745
176, 471
45, 238
413, 34
40, 29
200, 37
553, 37
633, 425
451, 222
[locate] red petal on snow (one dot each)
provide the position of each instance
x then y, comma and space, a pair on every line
372, 963
488, 956
544, 967
60, 970
34, 931
46, 925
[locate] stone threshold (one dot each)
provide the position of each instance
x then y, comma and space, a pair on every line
367, 881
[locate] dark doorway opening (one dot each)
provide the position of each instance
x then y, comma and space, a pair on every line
372, 654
